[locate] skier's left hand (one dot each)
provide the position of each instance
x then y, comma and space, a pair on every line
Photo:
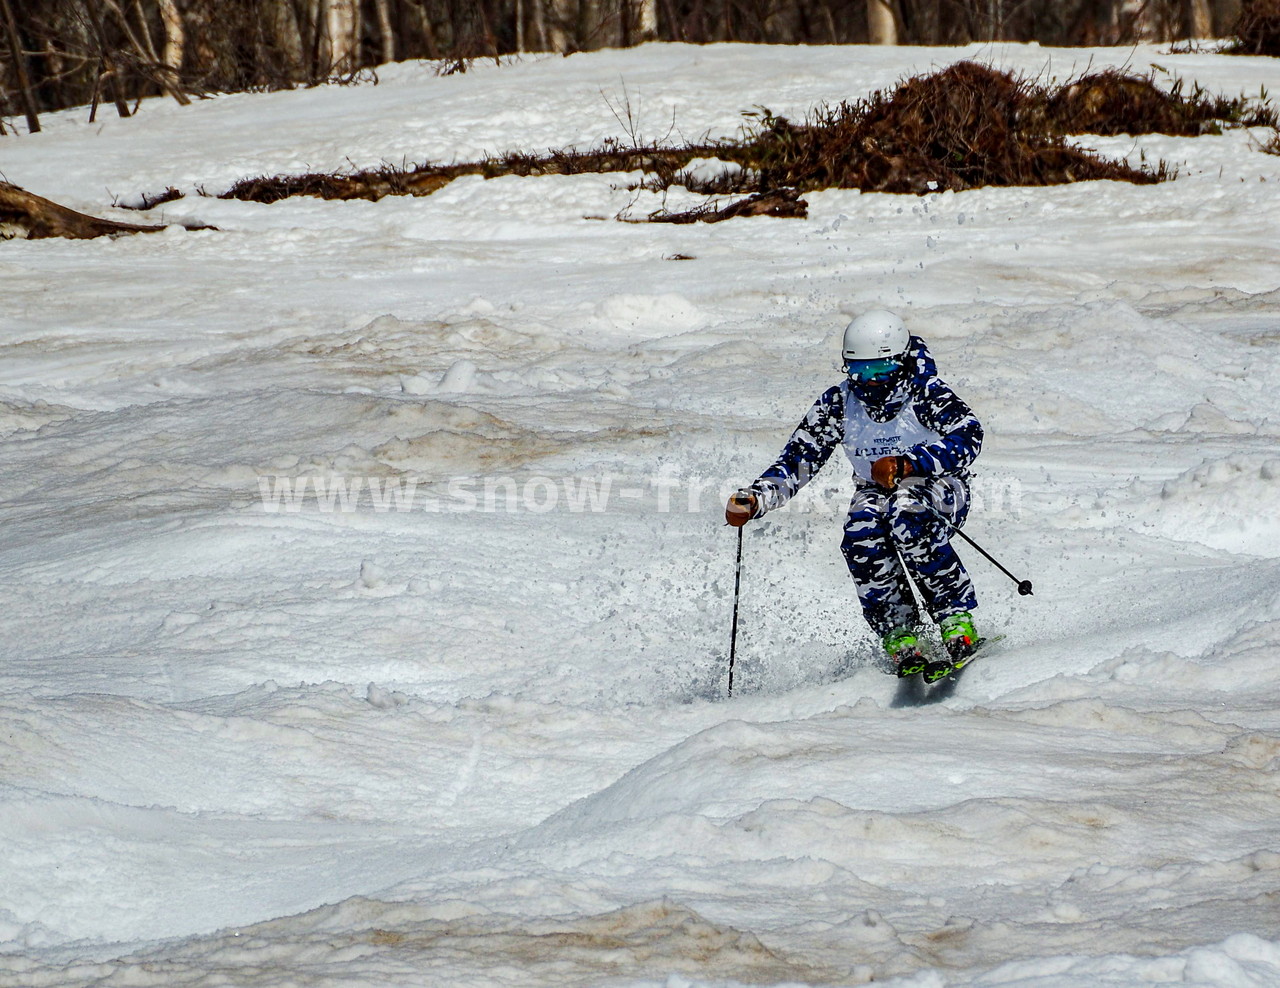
741, 508
888, 470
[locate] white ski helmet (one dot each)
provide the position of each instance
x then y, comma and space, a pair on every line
875, 335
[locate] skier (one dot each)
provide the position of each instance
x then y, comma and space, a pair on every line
910, 440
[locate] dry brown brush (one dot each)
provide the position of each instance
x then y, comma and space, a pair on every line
1113, 102
964, 127
420, 180
1257, 29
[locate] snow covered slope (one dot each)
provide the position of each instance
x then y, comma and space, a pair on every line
473, 731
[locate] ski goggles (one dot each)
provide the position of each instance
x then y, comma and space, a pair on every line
872, 370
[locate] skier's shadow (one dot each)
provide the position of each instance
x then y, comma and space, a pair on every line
912, 691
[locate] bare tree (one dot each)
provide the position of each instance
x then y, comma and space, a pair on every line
561, 19
56, 53
386, 33
20, 68
342, 35
175, 37
1225, 15
1197, 19
642, 21
882, 26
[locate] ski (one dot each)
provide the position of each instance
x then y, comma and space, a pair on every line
963, 663
913, 691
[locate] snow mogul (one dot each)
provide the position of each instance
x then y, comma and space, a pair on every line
911, 441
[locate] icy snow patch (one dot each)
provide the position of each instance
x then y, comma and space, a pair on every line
1230, 503
652, 314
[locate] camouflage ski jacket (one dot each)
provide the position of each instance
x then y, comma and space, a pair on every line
821, 431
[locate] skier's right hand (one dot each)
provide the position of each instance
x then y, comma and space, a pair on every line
741, 508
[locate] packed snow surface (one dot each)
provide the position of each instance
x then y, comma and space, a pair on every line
366, 593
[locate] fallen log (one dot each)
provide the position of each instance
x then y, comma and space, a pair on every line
27, 216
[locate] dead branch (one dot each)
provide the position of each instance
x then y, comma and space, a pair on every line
782, 203
151, 201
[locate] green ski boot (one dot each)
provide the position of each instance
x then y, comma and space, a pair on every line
904, 651
960, 641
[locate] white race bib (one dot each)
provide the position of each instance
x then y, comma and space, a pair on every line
866, 440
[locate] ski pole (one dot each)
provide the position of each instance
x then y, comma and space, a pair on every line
1024, 586
733, 631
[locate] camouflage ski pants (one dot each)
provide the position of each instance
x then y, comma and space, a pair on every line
886, 529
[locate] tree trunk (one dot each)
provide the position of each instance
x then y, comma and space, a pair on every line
486, 28
1225, 13
833, 33
175, 43
429, 34
642, 21
386, 33
108, 67
200, 56
147, 58
175, 36
538, 25
286, 25
881, 27
54, 68
1197, 19
673, 24
20, 68
594, 23
561, 17
343, 31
